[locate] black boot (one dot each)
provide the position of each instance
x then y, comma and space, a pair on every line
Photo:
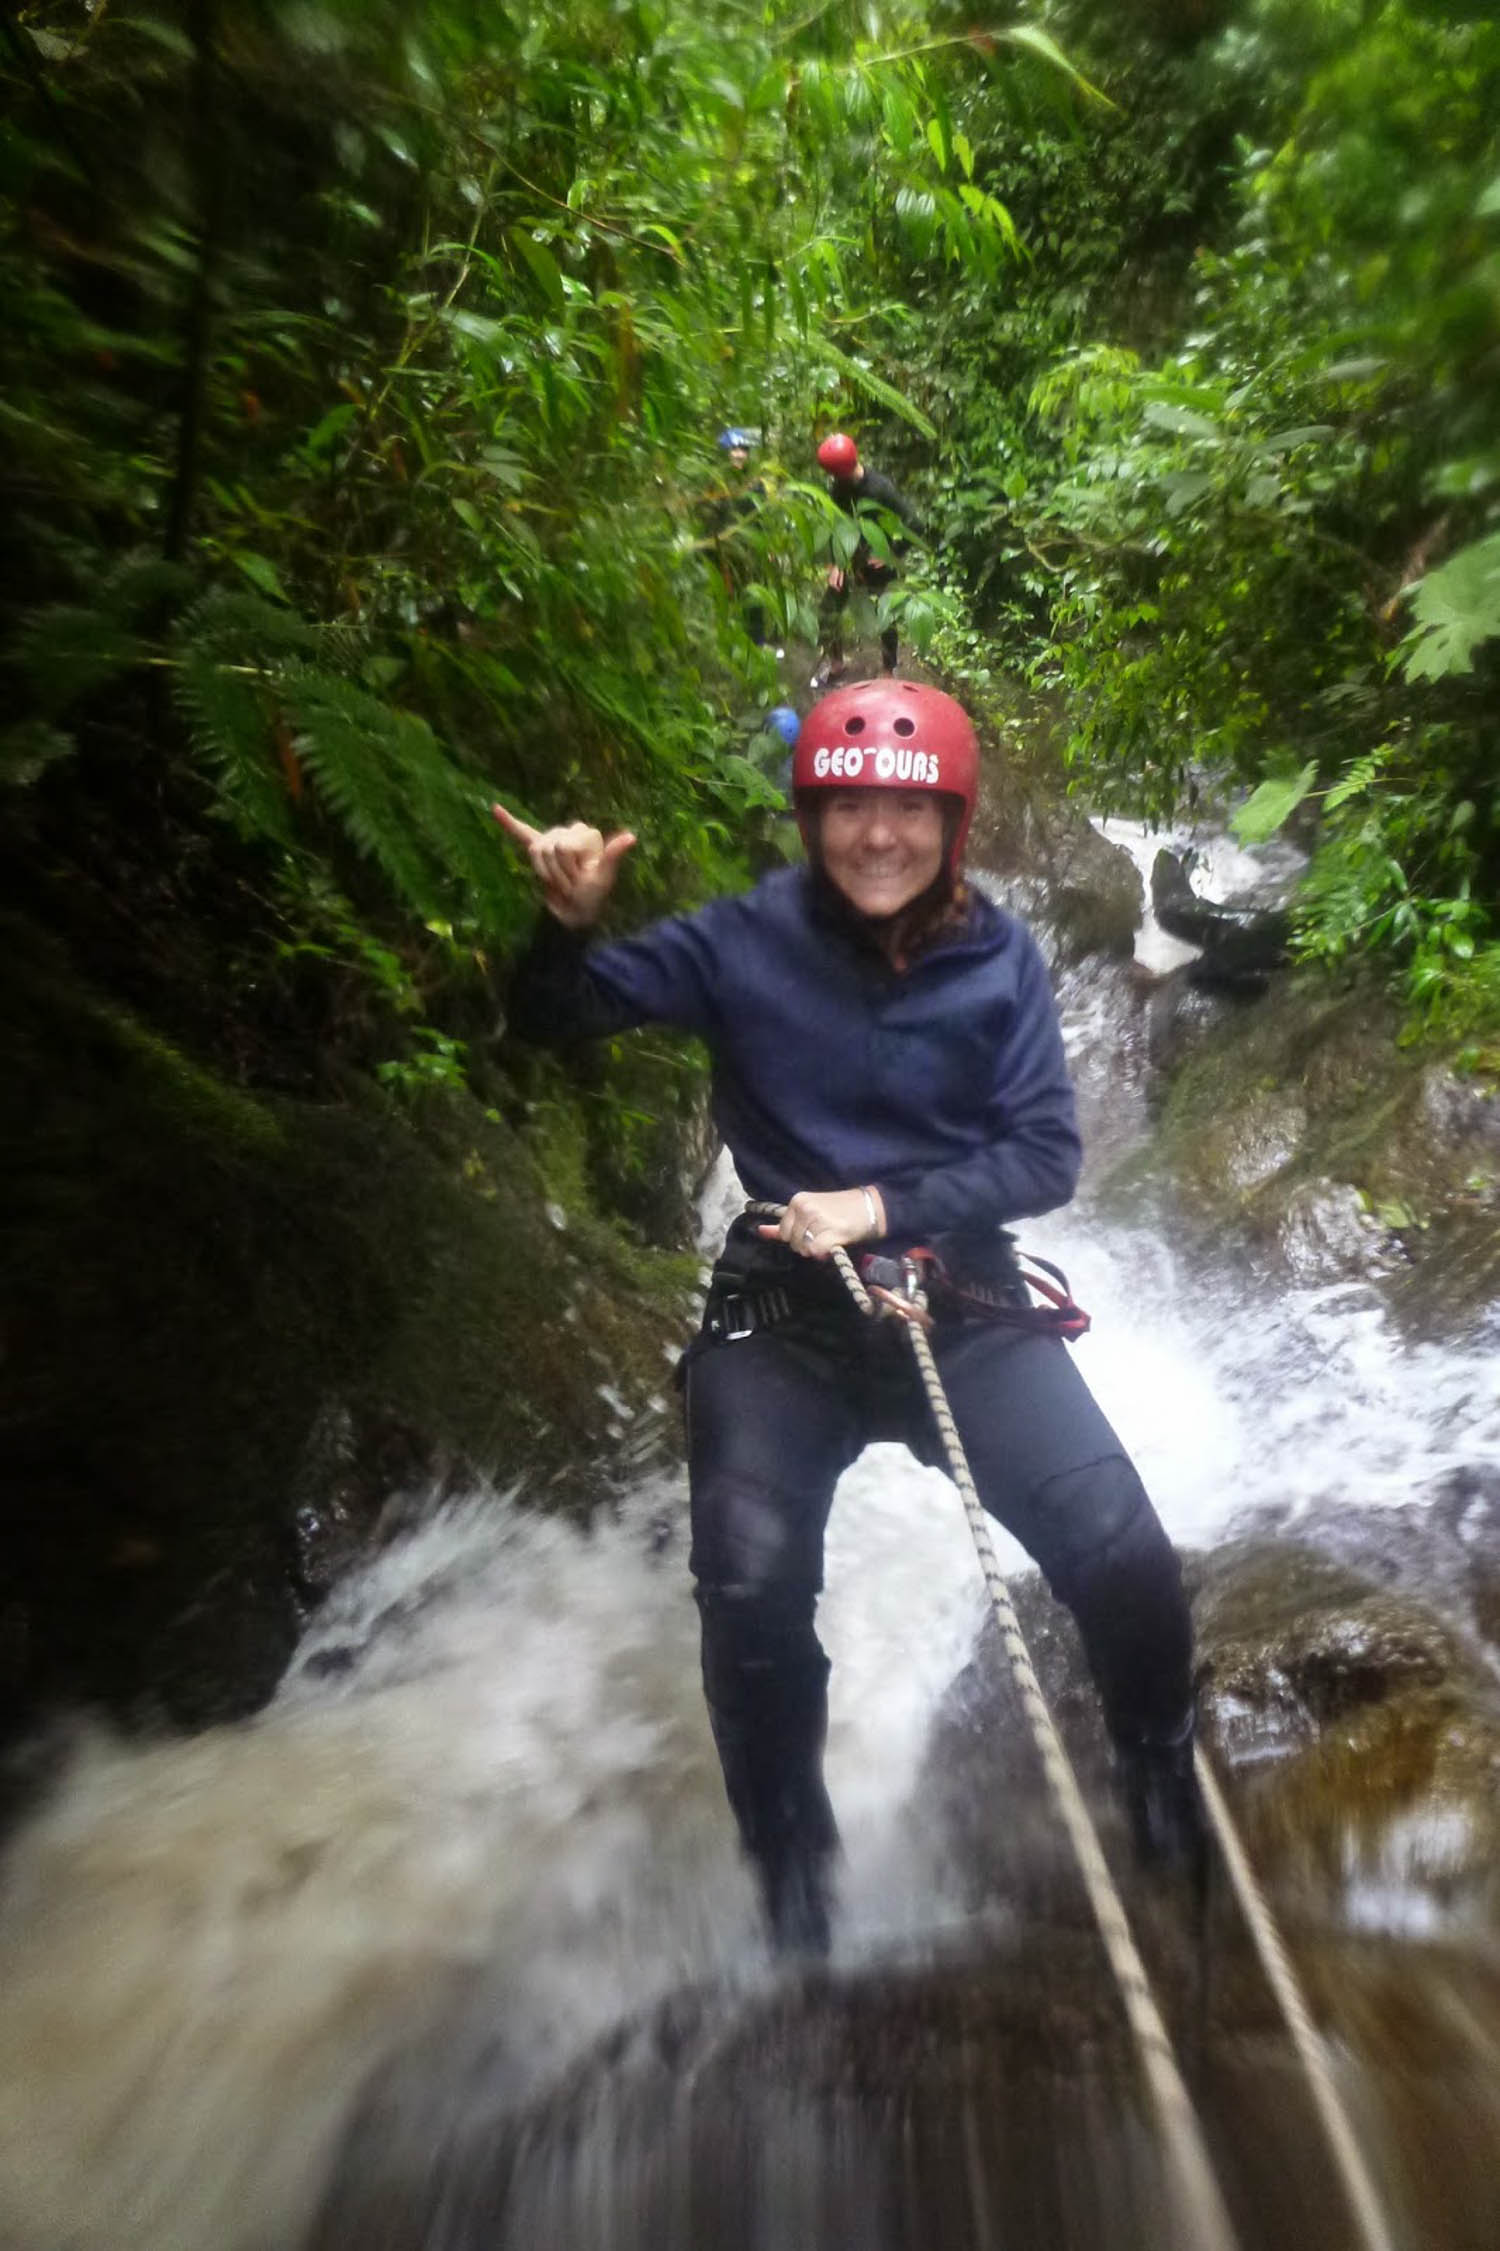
766, 1681
796, 1890
787, 1828
1165, 1807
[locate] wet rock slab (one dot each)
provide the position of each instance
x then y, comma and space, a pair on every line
981, 2093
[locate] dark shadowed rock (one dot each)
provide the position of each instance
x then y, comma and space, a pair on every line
1240, 948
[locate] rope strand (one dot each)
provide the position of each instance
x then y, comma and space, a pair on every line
1200, 2203
1204, 2219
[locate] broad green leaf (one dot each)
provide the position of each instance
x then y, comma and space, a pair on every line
320, 437
1182, 489
1283, 440
1488, 206
875, 385
1265, 809
1356, 370
261, 572
1181, 421
171, 36
543, 267
1037, 42
1351, 786
1455, 607
479, 327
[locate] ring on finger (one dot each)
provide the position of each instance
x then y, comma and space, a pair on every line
808, 1233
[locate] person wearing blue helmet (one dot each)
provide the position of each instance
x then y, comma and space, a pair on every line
784, 723
738, 502
739, 444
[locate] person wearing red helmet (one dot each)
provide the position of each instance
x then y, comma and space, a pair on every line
861, 492
888, 1067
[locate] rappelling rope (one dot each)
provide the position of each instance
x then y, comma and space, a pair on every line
1201, 2202
1309, 2043
1205, 2220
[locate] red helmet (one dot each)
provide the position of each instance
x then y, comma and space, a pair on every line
838, 455
889, 734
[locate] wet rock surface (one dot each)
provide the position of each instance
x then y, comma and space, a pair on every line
986, 2100
236, 1324
982, 2091
1080, 893
1241, 947
1299, 1124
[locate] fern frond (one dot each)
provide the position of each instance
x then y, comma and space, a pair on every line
27, 750
69, 650
140, 583
230, 711
402, 799
230, 649
359, 753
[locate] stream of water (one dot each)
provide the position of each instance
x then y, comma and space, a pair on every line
488, 1771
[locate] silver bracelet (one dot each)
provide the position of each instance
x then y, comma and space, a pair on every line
877, 1224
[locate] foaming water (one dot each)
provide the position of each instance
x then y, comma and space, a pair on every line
1235, 1397
490, 1757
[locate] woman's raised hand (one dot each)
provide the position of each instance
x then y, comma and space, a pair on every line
575, 866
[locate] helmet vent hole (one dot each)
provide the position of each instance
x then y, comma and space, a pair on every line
904, 725
854, 725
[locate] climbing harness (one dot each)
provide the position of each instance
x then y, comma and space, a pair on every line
897, 1290
920, 1272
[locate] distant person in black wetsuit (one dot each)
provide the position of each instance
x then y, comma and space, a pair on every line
742, 497
860, 492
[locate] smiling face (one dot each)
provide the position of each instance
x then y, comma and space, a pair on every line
881, 848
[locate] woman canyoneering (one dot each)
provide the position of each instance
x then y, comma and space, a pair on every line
888, 1067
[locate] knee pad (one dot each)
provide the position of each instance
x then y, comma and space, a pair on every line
750, 1539
1094, 1518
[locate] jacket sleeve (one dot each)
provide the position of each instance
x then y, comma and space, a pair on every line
893, 500
1031, 1160
566, 989
907, 511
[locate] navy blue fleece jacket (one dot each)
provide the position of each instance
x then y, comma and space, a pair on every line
943, 1085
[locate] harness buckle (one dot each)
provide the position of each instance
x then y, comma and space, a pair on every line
735, 1318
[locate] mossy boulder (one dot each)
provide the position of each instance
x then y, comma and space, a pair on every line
235, 1323
1303, 1123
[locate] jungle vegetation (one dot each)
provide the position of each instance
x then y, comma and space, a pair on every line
361, 370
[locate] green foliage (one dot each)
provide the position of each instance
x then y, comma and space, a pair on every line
1455, 607
361, 373
1274, 802
362, 364
1203, 537
27, 750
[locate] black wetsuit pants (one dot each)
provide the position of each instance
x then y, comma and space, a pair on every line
775, 1417
875, 577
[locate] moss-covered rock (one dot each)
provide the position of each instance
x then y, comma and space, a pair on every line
1303, 1122
235, 1322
